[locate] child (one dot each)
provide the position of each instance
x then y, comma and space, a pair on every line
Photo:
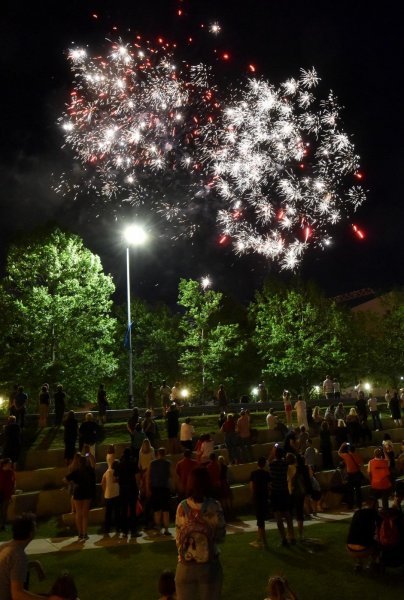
110, 455
167, 586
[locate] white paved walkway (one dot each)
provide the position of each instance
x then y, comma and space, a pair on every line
66, 544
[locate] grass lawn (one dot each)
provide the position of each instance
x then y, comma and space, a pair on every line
131, 571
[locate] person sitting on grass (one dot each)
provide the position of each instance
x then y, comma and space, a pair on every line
361, 541
166, 586
64, 588
259, 486
279, 589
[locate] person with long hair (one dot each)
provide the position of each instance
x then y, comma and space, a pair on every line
200, 526
279, 589
83, 494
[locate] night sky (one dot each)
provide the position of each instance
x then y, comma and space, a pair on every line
357, 50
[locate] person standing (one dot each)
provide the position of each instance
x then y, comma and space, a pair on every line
20, 403
173, 427
262, 393
380, 477
59, 398
337, 389
287, 405
175, 392
326, 446
328, 388
280, 499
14, 561
110, 488
353, 463
182, 470
11, 400
186, 434
125, 474
395, 409
301, 412
102, 403
150, 396
230, 438
44, 400
222, 397
149, 427
88, 433
7, 489
374, 412
159, 486
165, 393
199, 526
12, 440
84, 493
361, 407
244, 434
259, 486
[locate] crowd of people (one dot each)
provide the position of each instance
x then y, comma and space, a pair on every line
142, 488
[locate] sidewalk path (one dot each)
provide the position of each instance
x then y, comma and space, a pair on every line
95, 541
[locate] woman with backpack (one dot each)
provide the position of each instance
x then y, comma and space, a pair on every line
200, 526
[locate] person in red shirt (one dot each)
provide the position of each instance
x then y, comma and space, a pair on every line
353, 463
380, 477
7, 489
182, 470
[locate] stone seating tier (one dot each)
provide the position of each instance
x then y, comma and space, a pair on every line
47, 502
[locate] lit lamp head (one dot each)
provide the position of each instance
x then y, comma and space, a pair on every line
206, 282
135, 235
184, 393
254, 391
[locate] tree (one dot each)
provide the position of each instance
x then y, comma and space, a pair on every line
300, 335
57, 326
155, 337
377, 346
209, 345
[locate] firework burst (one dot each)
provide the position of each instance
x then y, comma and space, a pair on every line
133, 122
284, 169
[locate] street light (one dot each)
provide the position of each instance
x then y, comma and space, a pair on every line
206, 282
134, 236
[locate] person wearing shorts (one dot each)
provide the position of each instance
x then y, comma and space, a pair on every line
160, 493
259, 485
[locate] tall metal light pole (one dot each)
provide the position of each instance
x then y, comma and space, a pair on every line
205, 283
134, 236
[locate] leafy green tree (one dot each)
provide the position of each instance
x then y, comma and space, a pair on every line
209, 345
377, 349
300, 335
155, 338
56, 302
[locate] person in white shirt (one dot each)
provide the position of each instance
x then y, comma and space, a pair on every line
175, 392
374, 411
272, 420
301, 412
186, 434
328, 388
110, 488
